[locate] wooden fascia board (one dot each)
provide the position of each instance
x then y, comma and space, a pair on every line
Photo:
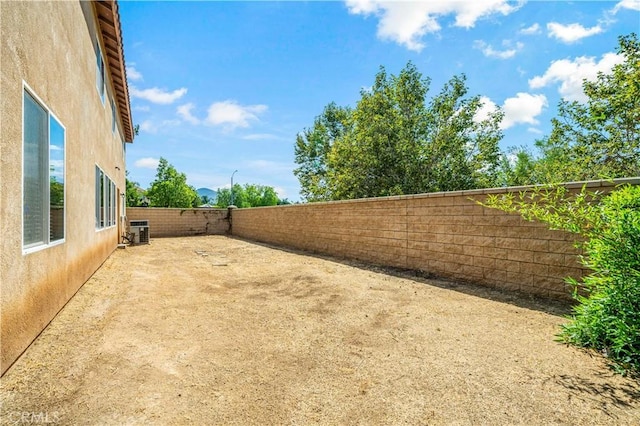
109, 28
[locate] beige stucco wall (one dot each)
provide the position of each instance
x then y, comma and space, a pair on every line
49, 46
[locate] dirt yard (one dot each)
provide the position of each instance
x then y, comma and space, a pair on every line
214, 330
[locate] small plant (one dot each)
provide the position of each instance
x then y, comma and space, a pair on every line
607, 316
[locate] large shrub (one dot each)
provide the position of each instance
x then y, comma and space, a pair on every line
607, 316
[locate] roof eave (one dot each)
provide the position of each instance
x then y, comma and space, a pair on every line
111, 33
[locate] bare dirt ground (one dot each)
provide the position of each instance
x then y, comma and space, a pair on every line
214, 330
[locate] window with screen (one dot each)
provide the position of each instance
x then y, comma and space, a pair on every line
43, 176
105, 200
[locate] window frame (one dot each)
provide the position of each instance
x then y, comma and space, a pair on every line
46, 219
101, 76
105, 200
113, 117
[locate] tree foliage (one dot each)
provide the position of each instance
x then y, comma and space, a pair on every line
249, 195
394, 142
170, 188
134, 193
607, 317
312, 150
599, 139
517, 167
56, 192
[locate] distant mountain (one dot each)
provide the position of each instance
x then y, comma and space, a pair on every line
213, 195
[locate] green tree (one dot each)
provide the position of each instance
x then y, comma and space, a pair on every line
170, 188
134, 193
56, 192
223, 199
461, 152
312, 149
394, 143
517, 168
380, 155
268, 196
599, 139
249, 195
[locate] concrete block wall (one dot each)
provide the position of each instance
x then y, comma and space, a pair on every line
452, 236
372, 230
445, 234
171, 222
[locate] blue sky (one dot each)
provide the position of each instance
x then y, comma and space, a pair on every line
223, 86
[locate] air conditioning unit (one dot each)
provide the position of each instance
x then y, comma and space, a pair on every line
140, 231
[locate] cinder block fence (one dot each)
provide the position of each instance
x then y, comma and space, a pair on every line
167, 222
445, 234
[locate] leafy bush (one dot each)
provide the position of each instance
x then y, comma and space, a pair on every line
607, 316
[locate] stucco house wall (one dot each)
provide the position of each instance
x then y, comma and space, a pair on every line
48, 49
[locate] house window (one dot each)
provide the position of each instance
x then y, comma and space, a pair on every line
107, 204
99, 72
99, 177
113, 117
43, 202
105, 200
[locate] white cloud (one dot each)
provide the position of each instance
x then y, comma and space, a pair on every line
407, 22
166, 123
184, 111
523, 108
533, 29
148, 126
230, 114
490, 52
467, 13
141, 108
147, 163
488, 107
133, 74
151, 127
158, 96
259, 136
57, 169
572, 32
534, 130
570, 74
627, 4
281, 192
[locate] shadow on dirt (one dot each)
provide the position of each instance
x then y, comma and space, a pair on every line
620, 395
519, 299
